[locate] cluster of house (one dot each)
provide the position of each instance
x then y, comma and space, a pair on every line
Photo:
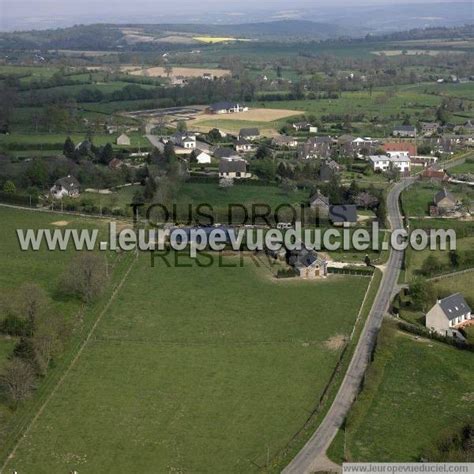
449, 315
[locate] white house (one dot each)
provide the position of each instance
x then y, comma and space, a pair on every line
243, 146
202, 157
379, 162
123, 140
448, 314
233, 167
184, 140
68, 186
398, 160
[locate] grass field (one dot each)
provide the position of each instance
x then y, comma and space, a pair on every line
196, 193
460, 283
467, 167
16, 140
398, 413
180, 374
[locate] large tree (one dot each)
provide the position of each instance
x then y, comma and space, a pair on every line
18, 380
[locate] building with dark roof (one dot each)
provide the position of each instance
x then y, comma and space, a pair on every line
405, 131
308, 264
68, 186
249, 133
445, 201
233, 168
343, 214
448, 313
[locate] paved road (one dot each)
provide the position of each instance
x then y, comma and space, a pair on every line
313, 455
155, 142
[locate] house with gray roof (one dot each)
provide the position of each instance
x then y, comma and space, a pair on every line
320, 202
404, 131
233, 168
448, 314
343, 214
68, 186
308, 264
445, 201
249, 133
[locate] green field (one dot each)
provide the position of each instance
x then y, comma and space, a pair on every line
180, 373
197, 193
461, 283
467, 167
416, 391
58, 138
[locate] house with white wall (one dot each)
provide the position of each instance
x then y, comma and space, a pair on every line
448, 314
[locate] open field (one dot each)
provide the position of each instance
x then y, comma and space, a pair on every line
196, 193
176, 71
398, 413
269, 120
192, 386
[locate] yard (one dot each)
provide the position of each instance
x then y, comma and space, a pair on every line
180, 373
416, 392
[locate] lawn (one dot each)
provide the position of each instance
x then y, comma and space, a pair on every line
399, 414
180, 373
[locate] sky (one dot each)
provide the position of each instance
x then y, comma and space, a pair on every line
25, 14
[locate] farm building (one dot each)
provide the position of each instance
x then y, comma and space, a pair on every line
226, 108
448, 314
68, 186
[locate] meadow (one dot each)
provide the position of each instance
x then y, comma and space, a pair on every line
180, 372
44, 268
398, 414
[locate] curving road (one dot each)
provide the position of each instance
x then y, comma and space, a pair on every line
312, 457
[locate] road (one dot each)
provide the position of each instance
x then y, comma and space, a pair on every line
312, 457
155, 142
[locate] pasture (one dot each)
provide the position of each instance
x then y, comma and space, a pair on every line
398, 415
180, 372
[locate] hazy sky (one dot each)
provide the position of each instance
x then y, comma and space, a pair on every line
24, 14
